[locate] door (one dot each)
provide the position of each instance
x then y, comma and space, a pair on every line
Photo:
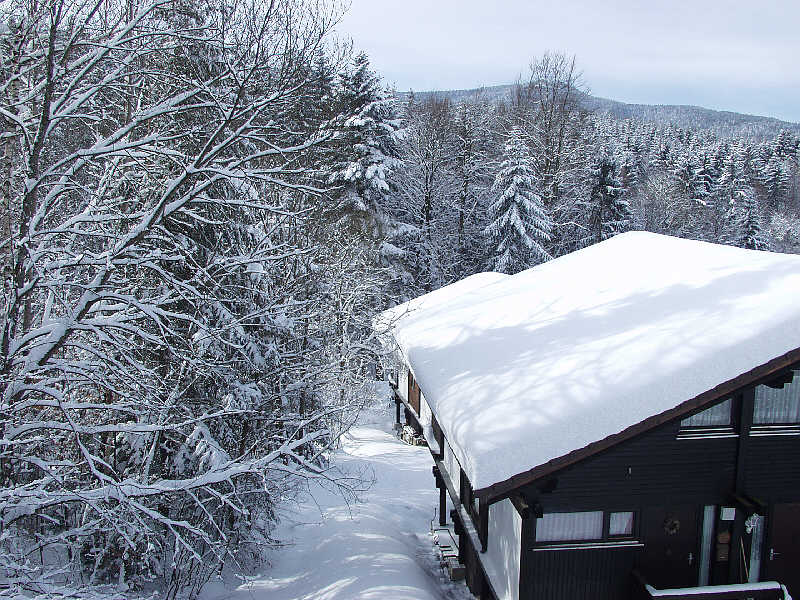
783, 554
670, 556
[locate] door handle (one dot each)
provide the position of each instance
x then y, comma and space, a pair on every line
691, 558
773, 555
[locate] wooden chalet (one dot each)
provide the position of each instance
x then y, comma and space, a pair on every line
622, 422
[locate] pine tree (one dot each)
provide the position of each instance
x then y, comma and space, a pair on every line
684, 173
518, 226
367, 140
702, 185
748, 220
786, 145
744, 160
609, 214
775, 181
629, 173
472, 178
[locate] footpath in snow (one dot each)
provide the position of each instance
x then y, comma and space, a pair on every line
377, 548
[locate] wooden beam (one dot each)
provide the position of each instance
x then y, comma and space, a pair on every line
442, 505
483, 523
446, 482
521, 505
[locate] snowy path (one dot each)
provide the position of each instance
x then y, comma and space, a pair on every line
378, 548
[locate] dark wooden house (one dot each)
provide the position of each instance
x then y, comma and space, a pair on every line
622, 422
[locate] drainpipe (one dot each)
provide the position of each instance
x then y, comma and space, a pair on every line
735, 572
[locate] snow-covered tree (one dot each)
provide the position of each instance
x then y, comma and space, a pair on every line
472, 162
775, 179
366, 149
747, 218
548, 108
519, 226
608, 211
174, 358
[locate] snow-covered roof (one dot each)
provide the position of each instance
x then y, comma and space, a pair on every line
520, 370
442, 298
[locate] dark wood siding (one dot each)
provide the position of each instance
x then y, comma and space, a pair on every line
413, 392
659, 468
662, 468
772, 468
588, 574
653, 468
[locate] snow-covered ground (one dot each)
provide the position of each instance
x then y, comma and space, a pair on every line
379, 547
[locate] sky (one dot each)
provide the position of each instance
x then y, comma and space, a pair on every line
721, 54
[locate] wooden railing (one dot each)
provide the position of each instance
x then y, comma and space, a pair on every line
766, 590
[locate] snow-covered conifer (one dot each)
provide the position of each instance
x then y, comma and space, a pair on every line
519, 226
747, 219
367, 141
608, 211
775, 179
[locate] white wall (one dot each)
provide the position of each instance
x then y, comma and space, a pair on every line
453, 468
501, 560
402, 381
424, 411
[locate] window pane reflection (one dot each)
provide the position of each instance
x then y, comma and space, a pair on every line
570, 526
777, 405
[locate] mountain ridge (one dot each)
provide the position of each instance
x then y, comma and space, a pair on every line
722, 122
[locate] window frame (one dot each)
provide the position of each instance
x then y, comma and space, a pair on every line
712, 431
620, 536
605, 538
777, 426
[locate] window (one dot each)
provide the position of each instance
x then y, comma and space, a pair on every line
589, 526
560, 527
718, 415
620, 524
777, 405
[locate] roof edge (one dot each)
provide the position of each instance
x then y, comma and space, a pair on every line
496, 490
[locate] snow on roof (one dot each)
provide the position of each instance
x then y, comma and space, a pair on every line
523, 369
446, 296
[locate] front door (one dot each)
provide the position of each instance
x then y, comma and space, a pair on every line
670, 557
783, 554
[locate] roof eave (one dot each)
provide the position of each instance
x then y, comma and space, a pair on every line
502, 489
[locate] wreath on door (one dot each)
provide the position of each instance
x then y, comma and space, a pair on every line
672, 525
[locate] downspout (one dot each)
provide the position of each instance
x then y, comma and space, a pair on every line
735, 572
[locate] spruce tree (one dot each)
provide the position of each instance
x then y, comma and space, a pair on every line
775, 181
609, 213
367, 138
519, 225
748, 220
702, 185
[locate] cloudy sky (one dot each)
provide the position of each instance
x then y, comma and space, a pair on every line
724, 54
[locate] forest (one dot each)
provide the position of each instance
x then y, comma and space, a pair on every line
204, 205
504, 184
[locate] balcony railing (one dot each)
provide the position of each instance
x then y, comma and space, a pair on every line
765, 590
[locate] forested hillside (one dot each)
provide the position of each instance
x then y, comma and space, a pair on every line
587, 175
722, 123
204, 206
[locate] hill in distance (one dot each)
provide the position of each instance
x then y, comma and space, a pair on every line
721, 122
